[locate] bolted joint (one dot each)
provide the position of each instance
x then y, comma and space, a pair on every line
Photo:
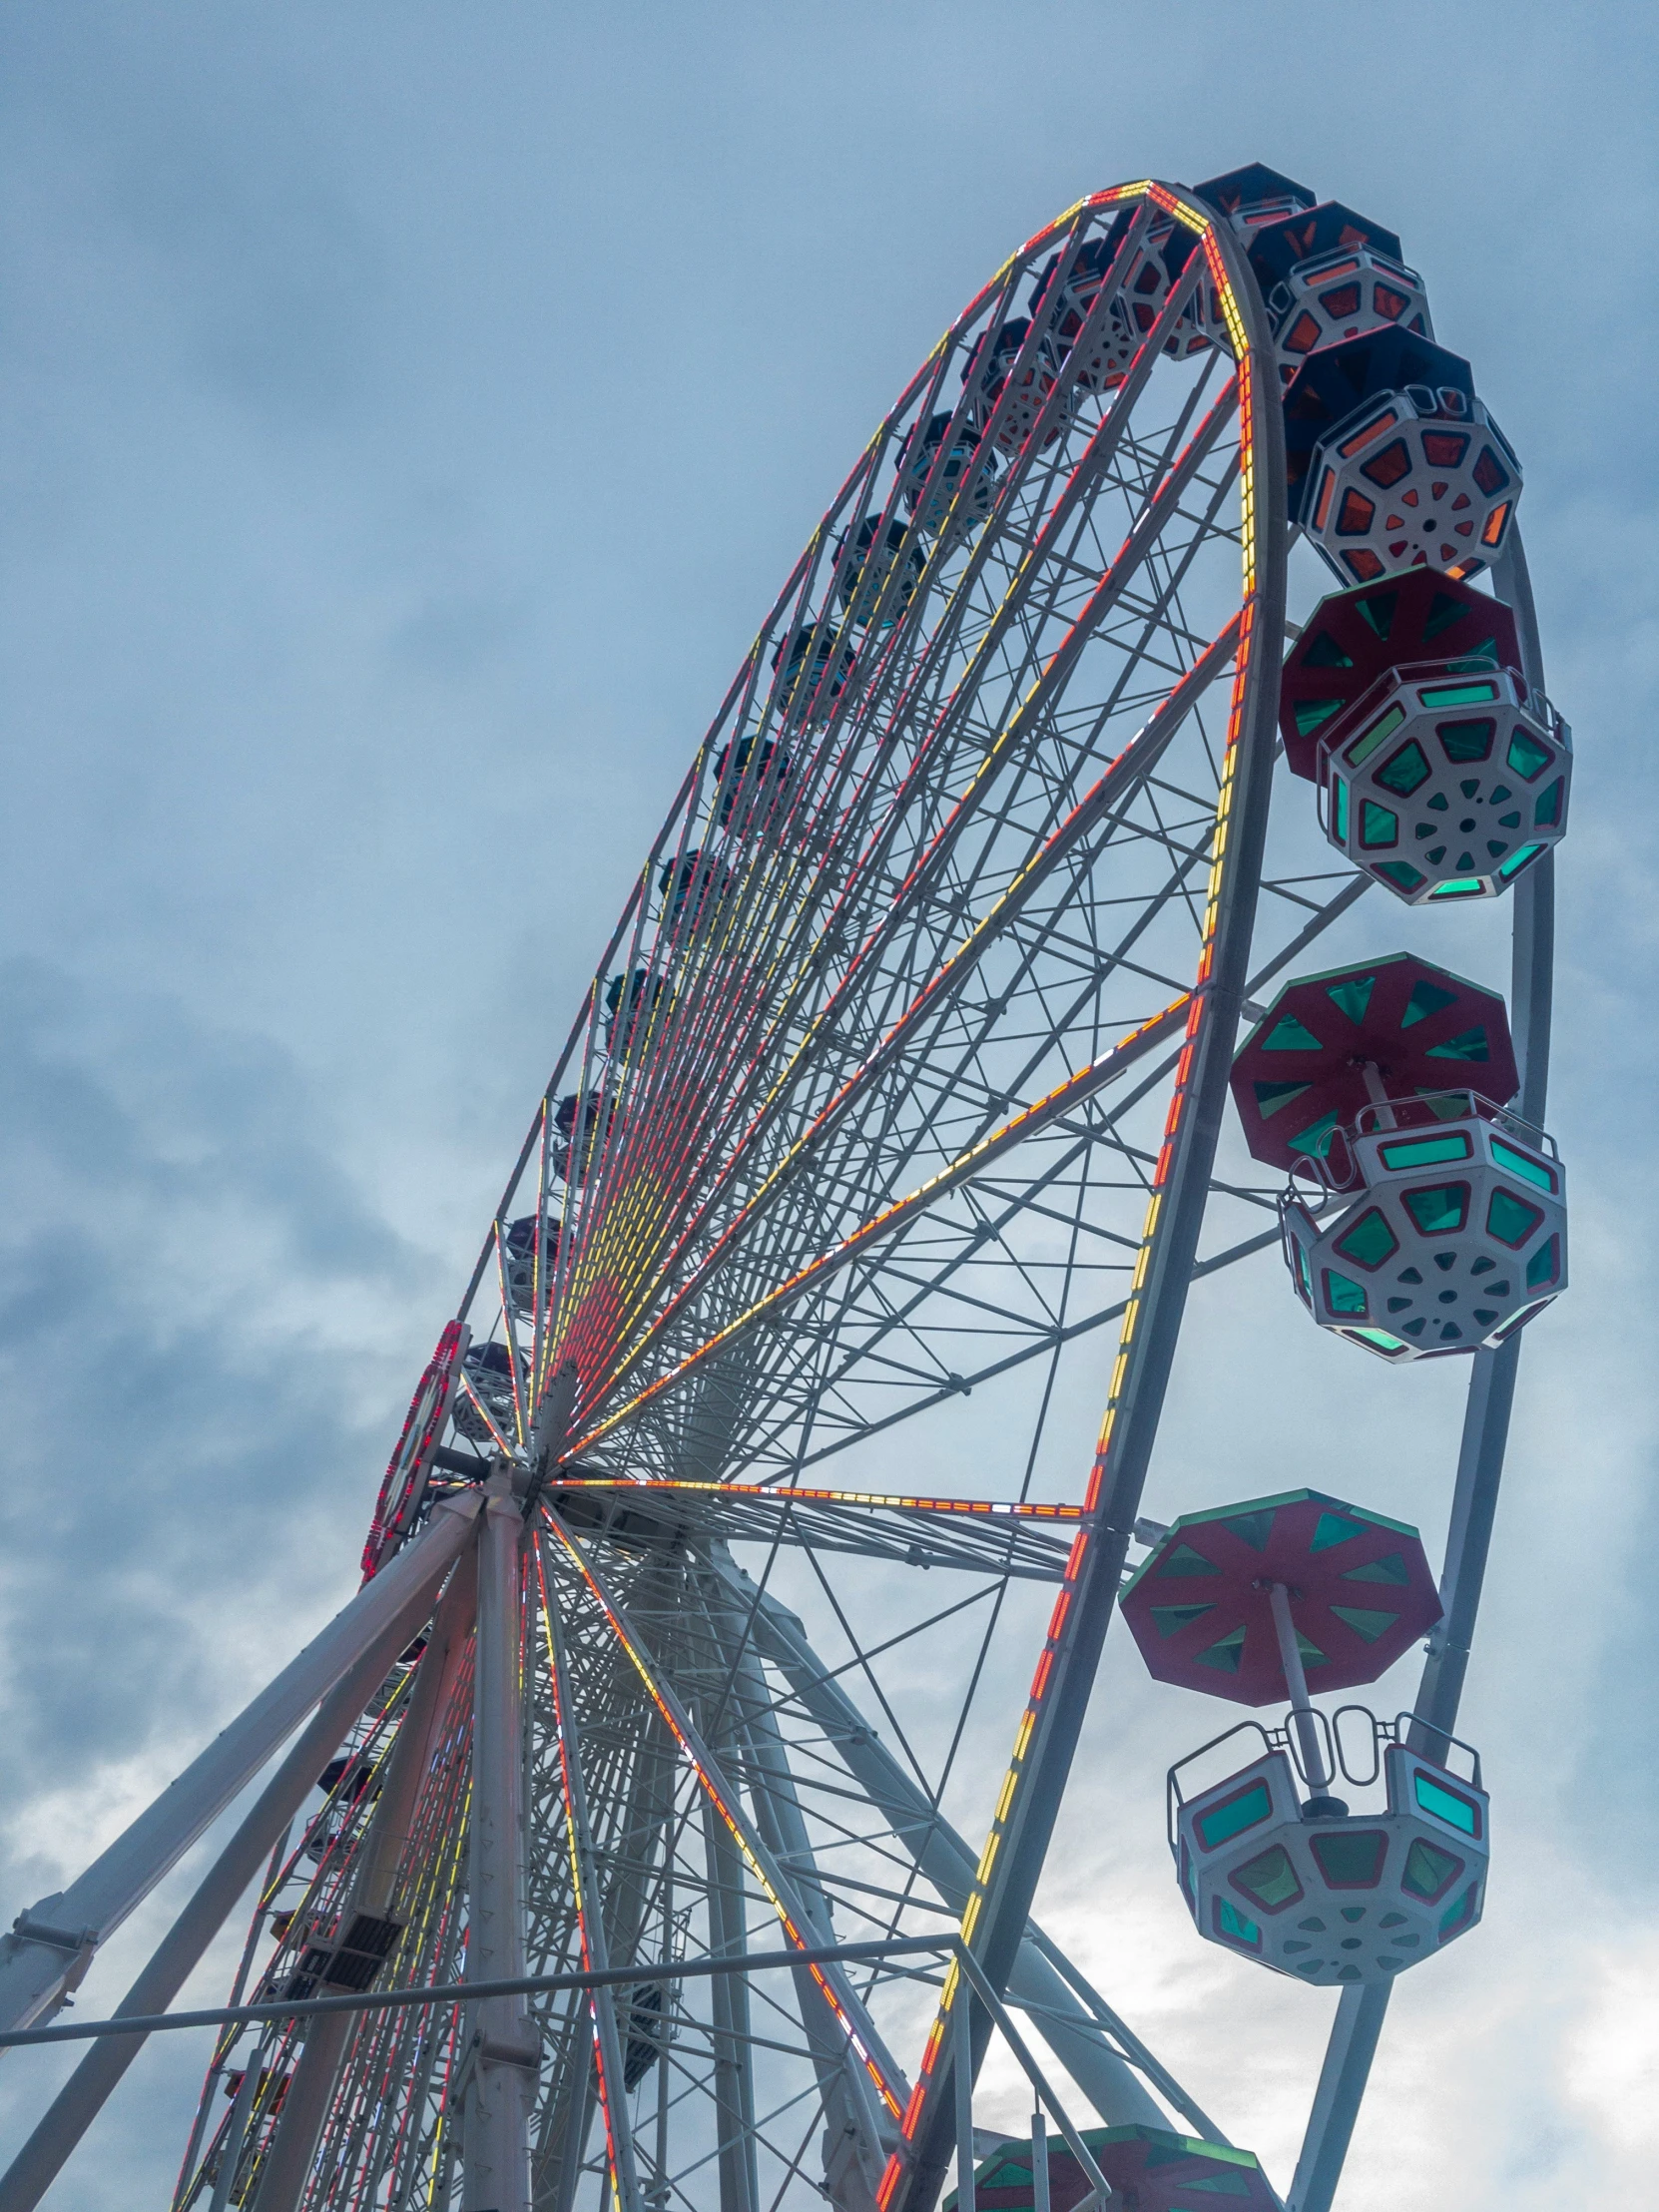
30, 1930
517, 2045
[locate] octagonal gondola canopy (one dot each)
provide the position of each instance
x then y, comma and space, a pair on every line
1249, 186
1302, 1072
1276, 248
1199, 1605
1151, 2169
1354, 637
1334, 381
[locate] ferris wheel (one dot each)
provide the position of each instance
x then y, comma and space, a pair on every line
735, 1596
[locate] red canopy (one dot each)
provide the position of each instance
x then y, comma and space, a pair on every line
1300, 1073
1353, 637
1361, 1594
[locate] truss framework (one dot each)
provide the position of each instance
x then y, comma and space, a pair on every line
909, 1084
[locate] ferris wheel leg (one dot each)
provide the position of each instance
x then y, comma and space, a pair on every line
504, 2053
612, 2072
83, 2095
305, 2100
854, 2152
52, 1944
1069, 2029
729, 2000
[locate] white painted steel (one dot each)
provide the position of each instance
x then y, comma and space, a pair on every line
52, 1944
503, 2050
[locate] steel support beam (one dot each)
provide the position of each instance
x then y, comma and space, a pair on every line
836, 1993
83, 2095
51, 1945
728, 2001
590, 1913
946, 1861
305, 2101
1361, 2013
994, 1924
854, 2150
503, 2052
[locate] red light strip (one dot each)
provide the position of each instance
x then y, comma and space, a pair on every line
751, 1850
1156, 731
1202, 222
643, 1247
766, 1494
945, 720
440, 1379
1058, 1101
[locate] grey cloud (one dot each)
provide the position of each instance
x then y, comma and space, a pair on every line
320, 778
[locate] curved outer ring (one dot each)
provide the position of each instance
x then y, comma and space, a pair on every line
1028, 1802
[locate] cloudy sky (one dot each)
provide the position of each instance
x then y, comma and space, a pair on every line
408, 414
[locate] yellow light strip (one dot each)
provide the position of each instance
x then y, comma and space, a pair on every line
1197, 1003
1057, 1100
576, 1892
767, 1494
671, 1720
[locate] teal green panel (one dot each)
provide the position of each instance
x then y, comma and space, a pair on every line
1526, 755
1513, 866
1426, 1000
1253, 1529
1225, 1655
1438, 1209
1240, 1925
1511, 1219
1468, 1045
1409, 878
1378, 607
1444, 611
1425, 1151
1466, 741
1288, 1035
1522, 1164
1447, 1806
1390, 1568
1311, 712
1332, 1530
1352, 996
1315, 1140
1184, 1560
1405, 771
1233, 1815
1270, 1879
1364, 1624
1271, 1096
1379, 826
1429, 1869
1369, 1241
1349, 1859
1169, 1620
